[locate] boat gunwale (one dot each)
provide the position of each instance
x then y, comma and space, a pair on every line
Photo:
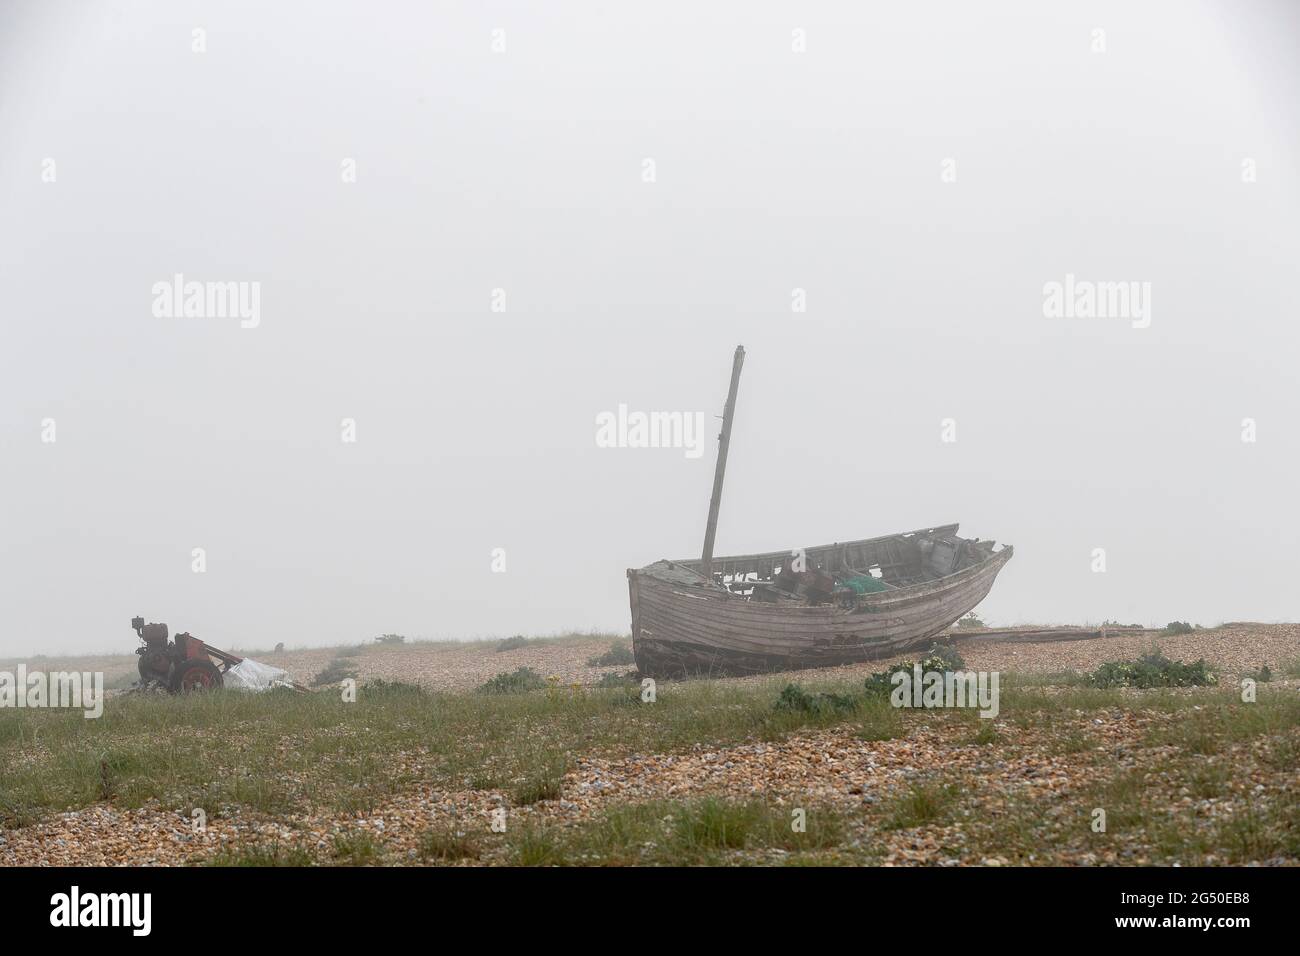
694, 564
876, 600
880, 600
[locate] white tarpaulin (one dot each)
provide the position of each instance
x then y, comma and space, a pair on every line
249, 674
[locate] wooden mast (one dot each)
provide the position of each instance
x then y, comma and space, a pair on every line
724, 439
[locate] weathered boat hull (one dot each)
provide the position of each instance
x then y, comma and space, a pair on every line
684, 623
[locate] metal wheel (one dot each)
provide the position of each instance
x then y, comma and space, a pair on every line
195, 675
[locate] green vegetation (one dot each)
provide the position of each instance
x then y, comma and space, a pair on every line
879, 720
513, 643
278, 755
261, 854
447, 846
627, 679
794, 699
618, 655
688, 832
942, 658
543, 784
338, 670
390, 639
1178, 627
922, 804
518, 681
986, 734
1152, 670
282, 751
356, 848
948, 655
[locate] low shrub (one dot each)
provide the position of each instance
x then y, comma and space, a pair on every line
518, 681
619, 654
512, 643
794, 699
338, 670
1178, 627
940, 660
951, 657
1152, 670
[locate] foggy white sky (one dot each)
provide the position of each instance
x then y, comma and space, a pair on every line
522, 170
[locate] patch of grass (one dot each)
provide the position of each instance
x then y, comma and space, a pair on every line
390, 639
699, 831
1074, 742
986, 735
288, 752
539, 787
1282, 751
618, 655
338, 670
921, 805
1207, 779
1123, 797
447, 846
536, 846
518, 681
1210, 729
970, 620
1043, 679
1291, 668
356, 848
880, 721
284, 751
616, 680
1020, 833
713, 824
1261, 676
262, 854
15, 815
391, 689
794, 699
512, 643
1033, 704
348, 652
1194, 737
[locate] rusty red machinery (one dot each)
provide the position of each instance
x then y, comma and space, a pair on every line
182, 664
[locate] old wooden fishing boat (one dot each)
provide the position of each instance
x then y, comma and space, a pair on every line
806, 607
